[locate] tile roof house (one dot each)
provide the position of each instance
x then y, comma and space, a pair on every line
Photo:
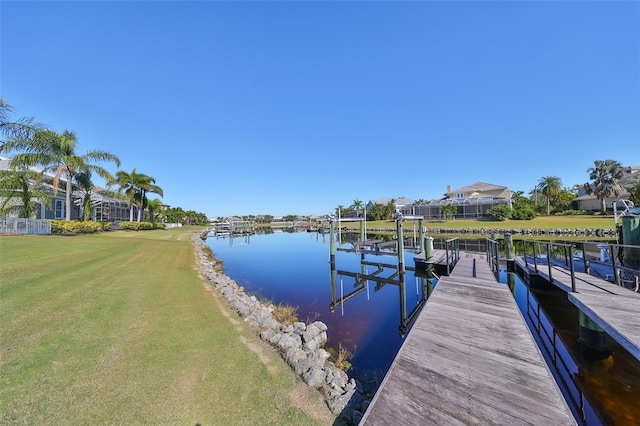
472, 201
590, 202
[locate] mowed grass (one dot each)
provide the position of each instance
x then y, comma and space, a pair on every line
120, 328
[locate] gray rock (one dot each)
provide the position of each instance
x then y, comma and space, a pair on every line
314, 377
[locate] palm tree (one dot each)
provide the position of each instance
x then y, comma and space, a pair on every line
154, 207
550, 187
147, 185
604, 176
634, 193
357, 205
21, 129
18, 189
56, 152
129, 184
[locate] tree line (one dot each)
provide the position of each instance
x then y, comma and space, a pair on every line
42, 158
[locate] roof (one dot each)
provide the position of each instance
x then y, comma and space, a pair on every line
479, 187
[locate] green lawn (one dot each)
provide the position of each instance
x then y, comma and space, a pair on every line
120, 328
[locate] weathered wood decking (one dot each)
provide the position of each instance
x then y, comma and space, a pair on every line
469, 359
438, 257
614, 308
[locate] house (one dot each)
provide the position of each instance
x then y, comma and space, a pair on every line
478, 190
471, 201
590, 202
105, 207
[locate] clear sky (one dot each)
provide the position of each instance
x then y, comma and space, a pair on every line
296, 107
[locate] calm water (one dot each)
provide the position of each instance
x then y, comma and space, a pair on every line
375, 315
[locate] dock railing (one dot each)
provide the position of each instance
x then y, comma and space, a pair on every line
607, 261
452, 252
607, 264
492, 255
549, 253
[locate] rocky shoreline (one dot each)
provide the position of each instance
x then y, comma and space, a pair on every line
300, 345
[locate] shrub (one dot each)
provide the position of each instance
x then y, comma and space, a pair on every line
78, 227
137, 226
284, 313
499, 212
341, 357
523, 213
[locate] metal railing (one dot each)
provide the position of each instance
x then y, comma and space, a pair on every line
492, 255
15, 225
552, 254
611, 262
452, 252
581, 256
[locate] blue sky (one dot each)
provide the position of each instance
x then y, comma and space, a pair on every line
297, 107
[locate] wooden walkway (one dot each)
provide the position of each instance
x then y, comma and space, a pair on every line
614, 308
469, 359
438, 257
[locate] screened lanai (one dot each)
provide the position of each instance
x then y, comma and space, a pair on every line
467, 208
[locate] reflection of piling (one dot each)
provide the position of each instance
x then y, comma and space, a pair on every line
334, 298
404, 321
593, 339
510, 252
511, 282
332, 243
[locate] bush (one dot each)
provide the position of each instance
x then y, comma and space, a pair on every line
78, 227
500, 212
137, 226
524, 213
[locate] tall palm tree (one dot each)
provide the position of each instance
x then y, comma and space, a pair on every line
129, 184
550, 187
357, 205
604, 176
154, 207
146, 186
56, 153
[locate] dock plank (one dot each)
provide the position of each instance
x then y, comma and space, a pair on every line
469, 359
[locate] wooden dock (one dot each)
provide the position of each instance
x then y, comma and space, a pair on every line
614, 308
469, 359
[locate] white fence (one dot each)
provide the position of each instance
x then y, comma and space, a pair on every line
172, 225
15, 225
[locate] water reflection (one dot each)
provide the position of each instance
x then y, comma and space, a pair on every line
358, 282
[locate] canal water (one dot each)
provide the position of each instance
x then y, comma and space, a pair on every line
369, 307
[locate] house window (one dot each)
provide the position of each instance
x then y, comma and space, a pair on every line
60, 209
459, 196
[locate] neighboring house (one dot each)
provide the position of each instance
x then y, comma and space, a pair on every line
105, 208
472, 201
590, 202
